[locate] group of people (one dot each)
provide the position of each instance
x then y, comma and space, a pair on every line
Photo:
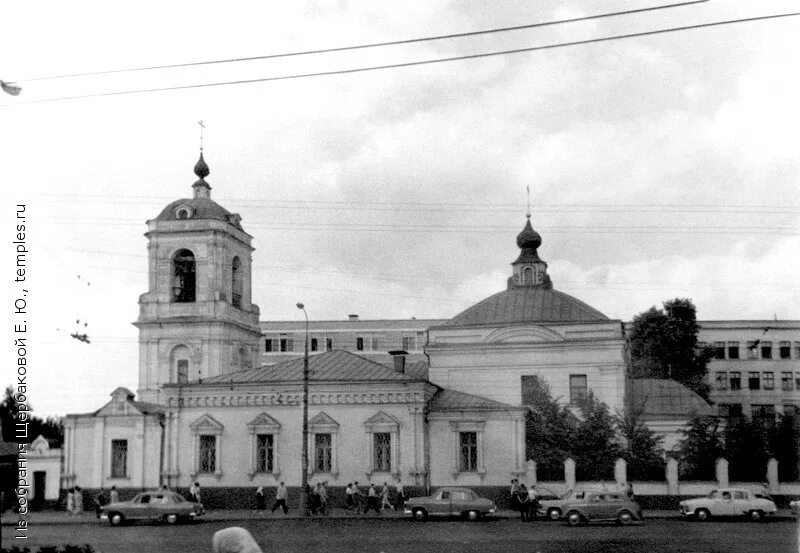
354, 498
524, 499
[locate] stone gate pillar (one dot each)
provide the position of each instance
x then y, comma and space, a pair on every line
721, 471
569, 473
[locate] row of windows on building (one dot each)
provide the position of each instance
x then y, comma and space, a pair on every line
322, 455
758, 411
765, 380
363, 343
756, 349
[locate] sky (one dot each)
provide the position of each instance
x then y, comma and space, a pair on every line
659, 167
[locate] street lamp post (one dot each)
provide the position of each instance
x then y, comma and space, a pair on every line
304, 458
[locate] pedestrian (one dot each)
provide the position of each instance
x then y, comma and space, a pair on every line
385, 497
261, 503
323, 498
71, 501
99, 502
533, 503
197, 497
522, 502
78, 500
513, 499
629, 490
114, 495
357, 497
193, 493
372, 500
281, 495
349, 504
314, 500
234, 540
401, 497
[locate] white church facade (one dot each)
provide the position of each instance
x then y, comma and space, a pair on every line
207, 411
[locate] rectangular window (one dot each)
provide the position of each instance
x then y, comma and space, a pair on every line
754, 382
329, 344
360, 343
578, 388
752, 350
797, 380
766, 350
382, 452
408, 343
721, 381
763, 412
797, 350
268, 345
787, 383
730, 410
736, 380
313, 344
468, 458
183, 371
322, 452
119, 458
208, 454
769, 380
733, 350
376, 343
719, 350
284, 343
786, 350
265, 453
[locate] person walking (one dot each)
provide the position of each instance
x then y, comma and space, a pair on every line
114, 495
71, 501
629, 490
372, 500
78, 500
357, 497
401, 496
99, 502
385, 497
513, 499
281, 495
533, 503
522, 502
323, 498
314, 499
349, 504
261, 502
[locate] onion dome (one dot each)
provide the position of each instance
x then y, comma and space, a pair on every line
201, 188
201, 167
528, 238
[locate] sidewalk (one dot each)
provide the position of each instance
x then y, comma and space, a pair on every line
60, 517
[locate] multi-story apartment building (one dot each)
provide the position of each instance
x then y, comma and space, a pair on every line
756, 366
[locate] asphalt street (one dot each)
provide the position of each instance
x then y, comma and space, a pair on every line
405, 536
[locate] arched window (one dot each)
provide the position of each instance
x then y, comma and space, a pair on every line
527, 275
183, 282
179, 364
236, 283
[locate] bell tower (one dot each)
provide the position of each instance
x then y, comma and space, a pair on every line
197, 318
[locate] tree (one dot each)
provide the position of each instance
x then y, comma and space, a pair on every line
549, 430
596, 447
786, 448
663, 344
51, 428
641, 448
746, 449
700, 448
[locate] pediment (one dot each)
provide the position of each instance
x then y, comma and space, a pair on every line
322, 419
381, 419
206, 423
522, 334
264, 421
117, 407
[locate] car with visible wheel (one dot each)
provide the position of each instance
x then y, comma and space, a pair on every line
165, 506
448, 502
551, 505
728, 502
602, 506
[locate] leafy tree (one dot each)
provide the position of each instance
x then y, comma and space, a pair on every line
746, 449
700, 447
596, 447
786, 448
549, 430
663, 344
641, 448
51, 428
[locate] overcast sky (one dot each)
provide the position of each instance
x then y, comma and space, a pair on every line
659, 167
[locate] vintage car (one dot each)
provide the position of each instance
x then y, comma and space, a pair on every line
602, 506
795, 507
728, 502
551, 504
450, 502
166, 506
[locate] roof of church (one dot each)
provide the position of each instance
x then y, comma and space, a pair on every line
450, 400
335, 365
664, 399
203, 208
525, 305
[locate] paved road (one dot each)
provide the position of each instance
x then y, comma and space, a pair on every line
405, 536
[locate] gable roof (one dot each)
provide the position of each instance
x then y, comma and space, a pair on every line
664, 399
331, 366
451, 400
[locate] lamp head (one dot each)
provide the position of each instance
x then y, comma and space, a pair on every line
300, 305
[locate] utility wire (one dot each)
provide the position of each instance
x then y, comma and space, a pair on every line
415, 63
365, 46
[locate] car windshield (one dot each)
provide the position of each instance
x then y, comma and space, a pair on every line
178, 498
713, 494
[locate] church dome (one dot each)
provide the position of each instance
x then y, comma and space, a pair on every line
527, 304
528, 238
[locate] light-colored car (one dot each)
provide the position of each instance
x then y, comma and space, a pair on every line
728, 502
795, 507
450, 502
602, 506
551, 505
166, 506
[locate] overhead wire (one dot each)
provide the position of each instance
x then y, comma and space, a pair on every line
370, 45
416, 63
